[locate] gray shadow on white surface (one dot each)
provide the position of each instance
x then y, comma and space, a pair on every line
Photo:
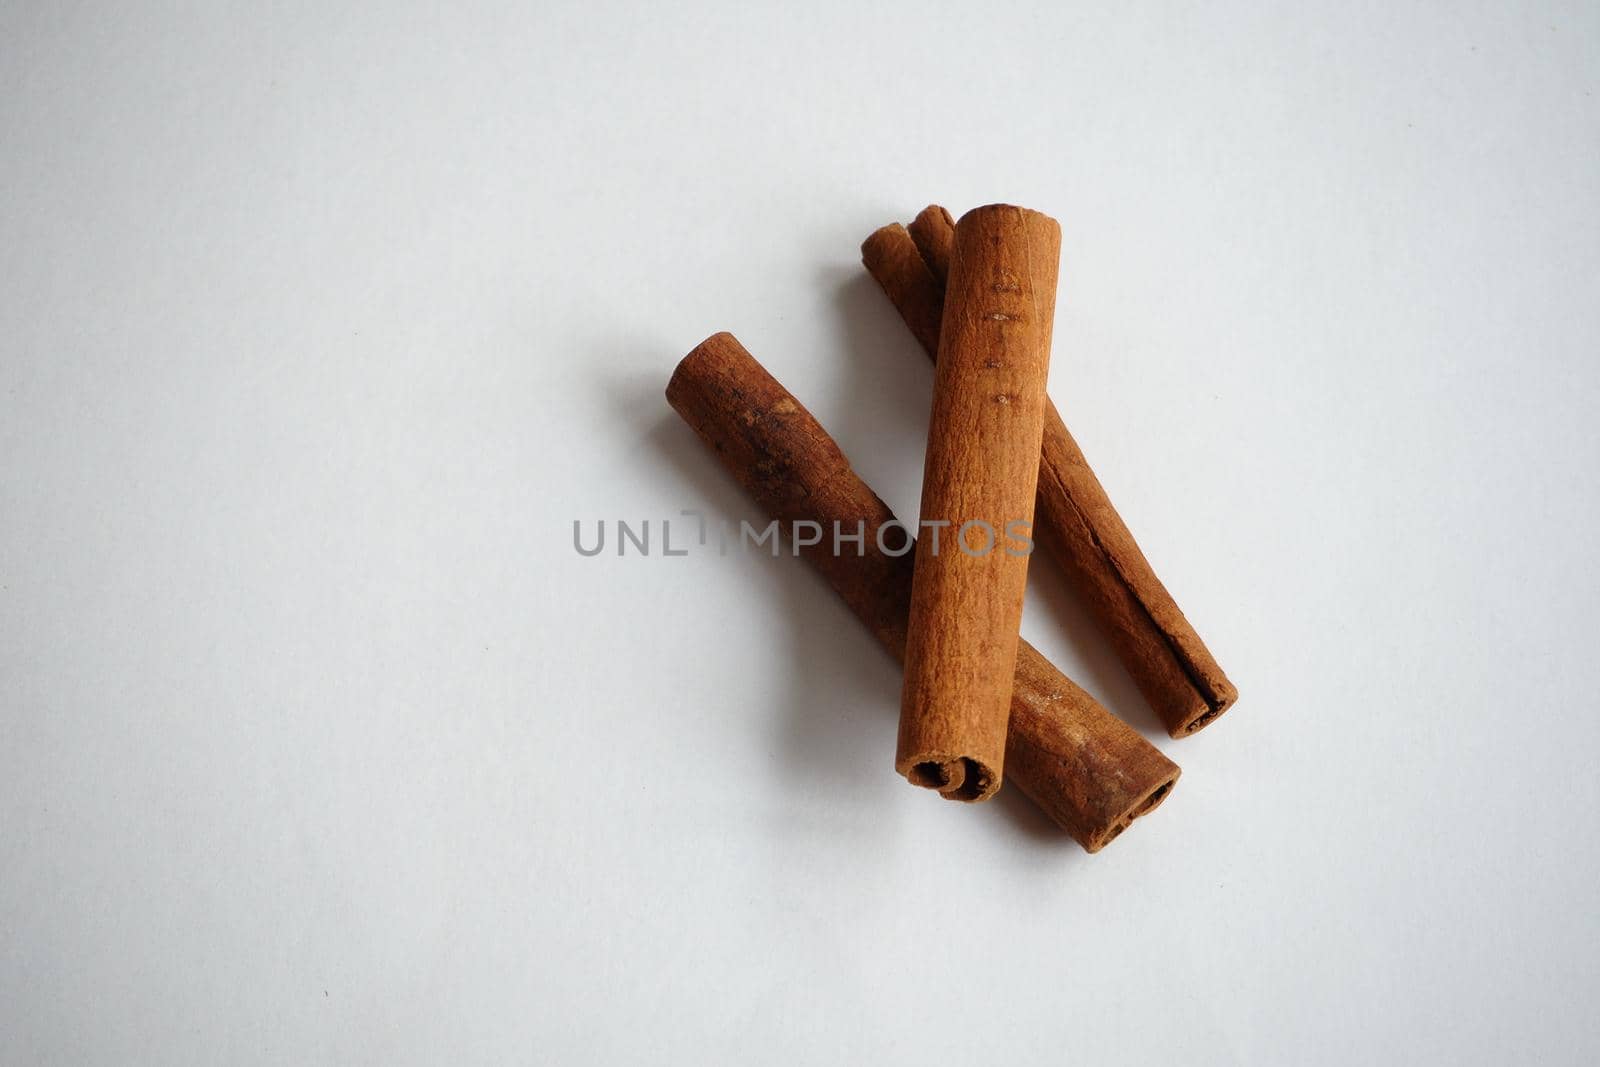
838, 673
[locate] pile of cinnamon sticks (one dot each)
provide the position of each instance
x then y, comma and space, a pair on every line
979, 705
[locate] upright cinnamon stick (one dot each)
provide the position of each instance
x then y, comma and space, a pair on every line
1169, 663
979, 479
1085, 768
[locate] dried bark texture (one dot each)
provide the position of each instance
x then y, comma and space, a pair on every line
1161, 650
934, 232
892, 258
979, 476
1086, 769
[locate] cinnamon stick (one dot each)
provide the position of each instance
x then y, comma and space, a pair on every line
979, 478
1169, 663
1086, 769
934, 233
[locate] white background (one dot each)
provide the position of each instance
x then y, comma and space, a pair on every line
322, 324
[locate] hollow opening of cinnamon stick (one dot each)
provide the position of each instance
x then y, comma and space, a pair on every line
1153, 801
962, 778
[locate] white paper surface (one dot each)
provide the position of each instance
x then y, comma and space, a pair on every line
319, 743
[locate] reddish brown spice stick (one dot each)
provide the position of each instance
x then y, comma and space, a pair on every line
1088, 771
979, 480
934, 233
1170, 664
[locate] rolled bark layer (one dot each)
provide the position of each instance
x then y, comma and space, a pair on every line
892, 258
979, 480
1169, 663
1087, 770
934, 233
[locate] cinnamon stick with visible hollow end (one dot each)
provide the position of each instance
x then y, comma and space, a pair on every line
979, 478
1161, 650
1089, 772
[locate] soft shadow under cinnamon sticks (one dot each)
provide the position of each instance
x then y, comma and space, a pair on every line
1075, 519
1085, 768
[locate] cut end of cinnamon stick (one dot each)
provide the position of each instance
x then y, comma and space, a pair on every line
959, 778
1157, 795
1051, 766
683, 373
1028, 214
1147, 803
1219, 700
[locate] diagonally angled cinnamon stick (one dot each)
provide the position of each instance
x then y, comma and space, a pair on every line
1160, 649
1089, 771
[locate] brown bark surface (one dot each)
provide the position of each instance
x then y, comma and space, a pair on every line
934, 233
